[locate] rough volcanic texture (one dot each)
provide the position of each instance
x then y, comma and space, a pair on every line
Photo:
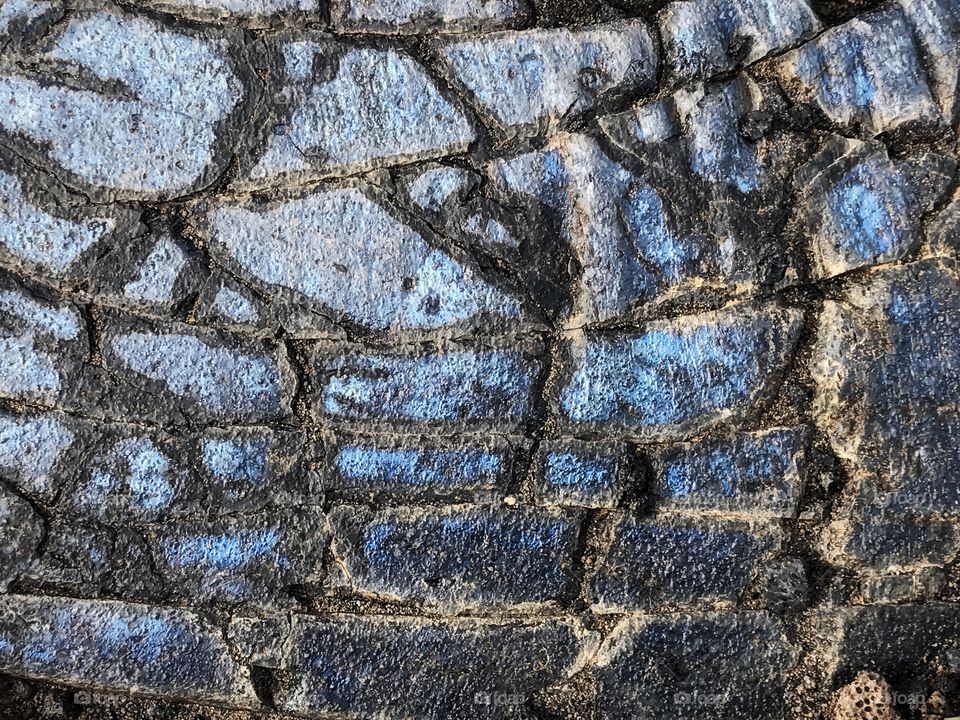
479, 359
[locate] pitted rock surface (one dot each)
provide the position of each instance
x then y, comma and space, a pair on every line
479, 359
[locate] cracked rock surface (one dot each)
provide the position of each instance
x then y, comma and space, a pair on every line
479, 359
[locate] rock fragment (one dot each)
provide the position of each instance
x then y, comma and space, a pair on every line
677, 377
528, 82
257, 13
164, 133
579, 474
419, 16
21, 529
457, 556
339, 109
120, 647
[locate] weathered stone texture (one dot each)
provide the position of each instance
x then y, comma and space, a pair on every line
417, 16
120, 647
578, 474
460, 556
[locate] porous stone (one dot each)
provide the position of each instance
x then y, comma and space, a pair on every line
886, 369
417, 467
677, 377
343, 253
253, 558
935, 27
34, 449
858, 208
679, 562
458, 556
707, 37
121, 647
867, 697
760, 474
43, 346
338, 109
419, 16
21, 529
451, 386
256, 13
432, 669
895, 641
708, 666
531, 81
166, 134
202, 376
865, 76
579, 474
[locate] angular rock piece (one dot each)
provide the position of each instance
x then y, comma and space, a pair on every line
482, 387
43, 346
20, 532
163, 130
339, 109
857, 208
707, 37
417, 467
33, 451
430, 188
760, 474
120, 647
711, 667
456, 557
253, 558
678, 377
410, 667
371, 271
937, 32
864, 75
685, 563
21, 19
888, 387
417, 16
257, 13
42, 234
578, 474
527, 82
200, 375
901, 642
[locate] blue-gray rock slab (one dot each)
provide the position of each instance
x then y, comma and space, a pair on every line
676, 378
478, 388
38, 453
668, 561
43, 346
410, 17
905, 643
121, 647
250, 559
406, 667
859, 207
177, 373
344, 254
227, 304
710, 666
336, 109
250, 13
704, 38
757, 474
887, 374
865, 76
404, 467
572, 473
525, 83
21, 529
165, 129
49, 233
937, 33
457, 557
21, 21
943, 230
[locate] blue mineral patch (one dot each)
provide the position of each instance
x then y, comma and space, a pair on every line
134, 479
229, 551
748, 472
675, 373
238, 459
459, 386
580, 478
374, 468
